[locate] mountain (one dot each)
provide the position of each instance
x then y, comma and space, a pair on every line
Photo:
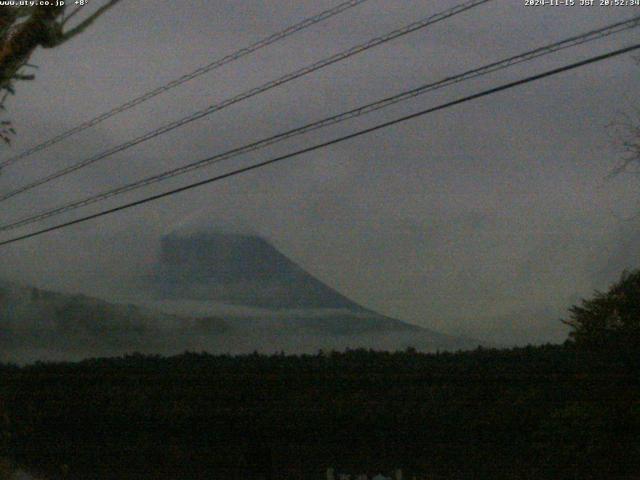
233, 274
218, 292
240, 270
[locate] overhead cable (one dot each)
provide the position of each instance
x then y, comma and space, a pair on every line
332, 120
248, 94
320, 17
334, 141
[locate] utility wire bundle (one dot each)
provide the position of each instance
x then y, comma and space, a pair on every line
238, 54
331, 120
415, 26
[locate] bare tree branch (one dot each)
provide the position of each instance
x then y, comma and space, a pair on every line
626, 137
72, 14
87, 22
24, 29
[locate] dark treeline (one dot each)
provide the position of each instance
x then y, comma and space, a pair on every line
548, 412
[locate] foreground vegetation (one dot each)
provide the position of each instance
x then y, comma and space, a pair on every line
550, 412
545, 412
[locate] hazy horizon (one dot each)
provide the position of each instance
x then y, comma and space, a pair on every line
489, 219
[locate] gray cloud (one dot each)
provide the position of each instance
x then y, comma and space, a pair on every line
483, 211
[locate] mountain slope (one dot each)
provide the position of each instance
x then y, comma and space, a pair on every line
42, 325
222, 293
240, 270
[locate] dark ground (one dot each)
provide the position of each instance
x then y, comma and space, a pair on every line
532, 413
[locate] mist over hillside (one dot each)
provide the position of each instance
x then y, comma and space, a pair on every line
215, 292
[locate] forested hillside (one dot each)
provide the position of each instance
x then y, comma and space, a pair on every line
533, 413
38, 324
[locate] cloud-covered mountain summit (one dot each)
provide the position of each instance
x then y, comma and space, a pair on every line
217, 292
239, 269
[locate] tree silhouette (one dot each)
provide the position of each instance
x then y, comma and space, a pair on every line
610, 322
25, 28
625, 132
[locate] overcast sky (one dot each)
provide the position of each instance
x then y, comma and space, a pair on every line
489, 217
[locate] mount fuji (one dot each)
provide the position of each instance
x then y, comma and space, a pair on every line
215, 291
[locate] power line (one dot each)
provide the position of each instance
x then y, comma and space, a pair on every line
332, 120
359, 133
308, 22
251, 93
